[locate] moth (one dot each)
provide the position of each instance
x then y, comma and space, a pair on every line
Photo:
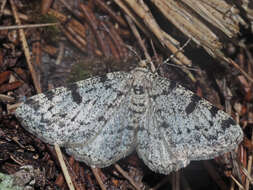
103, 119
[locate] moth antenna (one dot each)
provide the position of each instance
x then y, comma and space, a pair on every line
179, 50
133, 50
173, 56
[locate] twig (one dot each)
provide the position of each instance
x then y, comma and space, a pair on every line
64, 167
6, 98
184, 68
138, 37
110, 41
75, 12
45, 5
77, 33
21, 16
112, 14
25, 47
132, 16
92, 21
246, 173
232, 185
37, 54
239, 68
98, 178
125, 174
118, 42
73, 168
237, 182
141, 9
2, 7
27, 26
80, 44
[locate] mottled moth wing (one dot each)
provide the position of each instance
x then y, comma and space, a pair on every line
180, 127
115, 141
75, 114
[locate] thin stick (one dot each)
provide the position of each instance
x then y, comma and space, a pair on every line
127, 176
183, 67
64, 167
27, 26
240, 69
25, 47
6, 98
21, 16
237, 182
98, 178
138, 37
246, 173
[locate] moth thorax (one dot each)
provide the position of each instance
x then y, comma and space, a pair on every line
138, 104
140, 87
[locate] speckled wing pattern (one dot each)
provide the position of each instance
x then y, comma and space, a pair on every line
183, 127
103, 119
90, 112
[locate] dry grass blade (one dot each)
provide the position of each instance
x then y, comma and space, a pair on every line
25, 48
26, 26
64, 167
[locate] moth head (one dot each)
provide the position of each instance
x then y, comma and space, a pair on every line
141, 80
